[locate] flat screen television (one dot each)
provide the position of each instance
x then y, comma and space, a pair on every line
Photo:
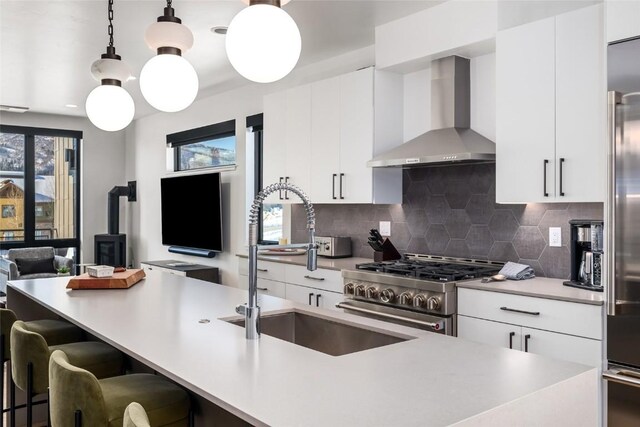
192, 211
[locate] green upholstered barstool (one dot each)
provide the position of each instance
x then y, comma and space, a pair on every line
54, 332
30, 360
78, 398
135, 416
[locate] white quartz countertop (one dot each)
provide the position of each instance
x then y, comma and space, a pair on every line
430, 380
326, 263
541, 287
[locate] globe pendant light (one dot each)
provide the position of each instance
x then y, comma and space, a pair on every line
168, 81
109, 106
263, 42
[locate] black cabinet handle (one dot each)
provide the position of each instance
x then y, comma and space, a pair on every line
511, 335
310, 296
546, 162
526, 343
286, 192
263, 289
341, 195
319, 279
280, 191
333, 186
318, 300
561, 163
263, 270
533, 313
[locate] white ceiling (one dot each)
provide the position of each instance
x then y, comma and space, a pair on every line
47, 47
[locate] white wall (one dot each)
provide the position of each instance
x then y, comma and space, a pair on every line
417, 99
146, 155
102, 167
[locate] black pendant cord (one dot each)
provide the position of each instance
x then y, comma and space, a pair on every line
110, 28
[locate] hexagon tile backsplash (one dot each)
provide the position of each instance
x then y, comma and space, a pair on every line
452, 211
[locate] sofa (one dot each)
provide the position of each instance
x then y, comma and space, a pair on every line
30, 259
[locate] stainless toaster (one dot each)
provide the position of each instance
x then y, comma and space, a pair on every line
334, 247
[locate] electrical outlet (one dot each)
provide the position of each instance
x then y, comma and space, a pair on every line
555, 237
385, 228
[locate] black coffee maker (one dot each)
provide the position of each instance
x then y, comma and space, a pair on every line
586, 254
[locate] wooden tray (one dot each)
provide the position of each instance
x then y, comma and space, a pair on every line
123, 280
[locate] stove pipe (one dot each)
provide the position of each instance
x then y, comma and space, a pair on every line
113, 204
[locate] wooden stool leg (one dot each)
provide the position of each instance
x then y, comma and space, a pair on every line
29, 394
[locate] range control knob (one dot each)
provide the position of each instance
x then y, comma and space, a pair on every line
327, 247
372, 292
419, 300
387, 295
406, 298
348, 289
433, 303
359, 291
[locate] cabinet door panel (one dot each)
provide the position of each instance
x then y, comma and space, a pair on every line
580, 105
487, 332
325, 140
563, 347
298, 139
329, 300
301, 294
274, 140
356, 136
525, 99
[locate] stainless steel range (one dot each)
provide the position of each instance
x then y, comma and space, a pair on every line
417, 291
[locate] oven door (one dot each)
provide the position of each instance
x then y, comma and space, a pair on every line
437, 324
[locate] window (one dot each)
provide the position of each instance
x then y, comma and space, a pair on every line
271, 223
206, 147
39, 187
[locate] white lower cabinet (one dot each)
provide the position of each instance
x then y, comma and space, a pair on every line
313, 296
321, 288
557, 329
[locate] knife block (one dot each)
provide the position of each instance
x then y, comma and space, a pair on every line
388, 253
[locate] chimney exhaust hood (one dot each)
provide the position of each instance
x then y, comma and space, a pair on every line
450, 140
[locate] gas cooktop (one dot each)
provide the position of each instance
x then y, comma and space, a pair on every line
432, 268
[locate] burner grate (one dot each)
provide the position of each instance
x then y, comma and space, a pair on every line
440, 271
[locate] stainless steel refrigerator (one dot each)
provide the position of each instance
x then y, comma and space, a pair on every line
623, 237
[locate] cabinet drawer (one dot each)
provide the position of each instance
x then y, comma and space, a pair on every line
266, 269
559, 316
329, 280
265, 286
162, 269
313, 297
487, 332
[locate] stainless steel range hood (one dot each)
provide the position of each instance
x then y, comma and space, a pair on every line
450, 140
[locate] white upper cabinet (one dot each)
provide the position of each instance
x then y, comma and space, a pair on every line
287, 141
623, 19
330, 133
551, 99
525, 102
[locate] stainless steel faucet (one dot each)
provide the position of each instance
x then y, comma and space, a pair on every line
251, 310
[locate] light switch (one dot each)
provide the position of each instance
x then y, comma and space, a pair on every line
385, 228
555, 237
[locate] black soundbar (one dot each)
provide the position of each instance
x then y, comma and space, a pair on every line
205, 253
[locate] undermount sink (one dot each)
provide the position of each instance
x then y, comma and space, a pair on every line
320, 334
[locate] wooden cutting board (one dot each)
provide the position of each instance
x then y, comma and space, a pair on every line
123, 280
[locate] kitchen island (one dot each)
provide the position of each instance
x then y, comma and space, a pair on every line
429, 379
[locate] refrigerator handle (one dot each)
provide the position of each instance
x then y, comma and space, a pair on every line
622, 376
613, 99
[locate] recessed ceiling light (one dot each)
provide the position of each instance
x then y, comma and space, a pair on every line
13, 108
71, 105
221, 30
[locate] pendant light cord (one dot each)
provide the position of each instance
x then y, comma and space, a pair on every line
110, 28
169, 3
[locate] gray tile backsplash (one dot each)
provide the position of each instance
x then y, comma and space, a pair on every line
452, 211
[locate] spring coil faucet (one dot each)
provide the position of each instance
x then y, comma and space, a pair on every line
251, 311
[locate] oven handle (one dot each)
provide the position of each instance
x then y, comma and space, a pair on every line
437, 326
620, 376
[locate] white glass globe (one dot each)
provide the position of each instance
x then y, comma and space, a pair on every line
263, 43
169, 83
110, 108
